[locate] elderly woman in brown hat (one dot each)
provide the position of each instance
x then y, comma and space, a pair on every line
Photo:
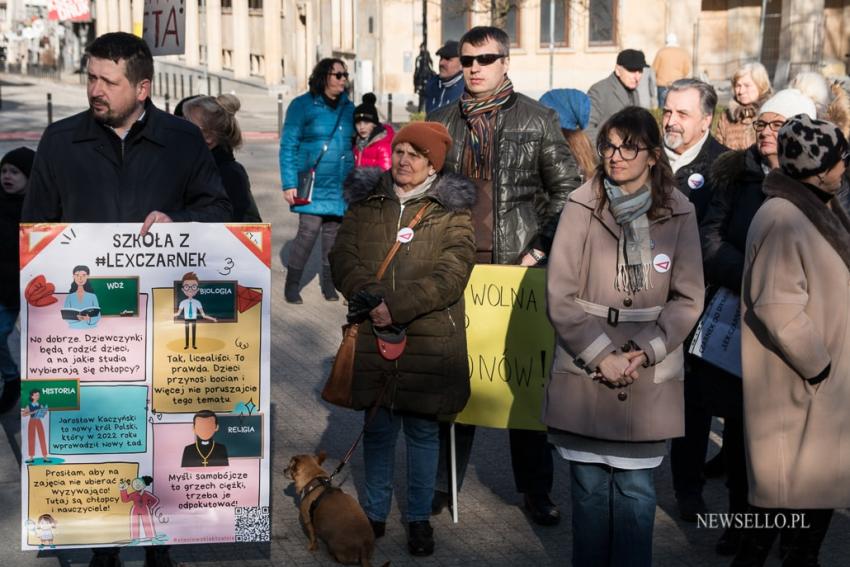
796, 371
420, 296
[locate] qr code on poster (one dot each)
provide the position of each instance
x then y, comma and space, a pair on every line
252, 524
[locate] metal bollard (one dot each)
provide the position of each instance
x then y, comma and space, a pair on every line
279, 113
182, 92
167, 109
219, 86
390, 108
174, 82
1, 97
49, 109
209, 86
191, 92
160, 84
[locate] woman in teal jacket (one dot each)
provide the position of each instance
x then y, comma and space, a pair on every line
319, 119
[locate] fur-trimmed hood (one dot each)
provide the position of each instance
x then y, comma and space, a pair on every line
454, 192
832, 223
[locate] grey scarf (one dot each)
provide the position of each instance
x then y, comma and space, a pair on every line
634, 258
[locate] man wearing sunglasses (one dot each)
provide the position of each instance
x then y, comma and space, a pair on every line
617, 91
447, 86
512, 148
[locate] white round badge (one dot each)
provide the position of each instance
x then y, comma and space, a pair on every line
405, 235
662, 263
696, 180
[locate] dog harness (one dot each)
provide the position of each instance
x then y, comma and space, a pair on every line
319, 481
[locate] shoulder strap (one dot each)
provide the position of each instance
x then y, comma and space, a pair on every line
328, 143
396, 245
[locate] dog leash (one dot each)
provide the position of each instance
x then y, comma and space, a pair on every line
372, 413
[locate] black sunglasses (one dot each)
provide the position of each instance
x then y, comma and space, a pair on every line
484, 59
339, 75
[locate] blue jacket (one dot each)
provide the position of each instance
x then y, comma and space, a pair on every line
439, 93
306, 129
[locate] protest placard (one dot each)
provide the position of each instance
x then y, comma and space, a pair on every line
145, 366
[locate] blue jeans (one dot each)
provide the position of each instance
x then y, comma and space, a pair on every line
613, 516
8, 368
423, 446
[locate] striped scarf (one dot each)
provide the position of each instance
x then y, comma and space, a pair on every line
480, 116
634, 259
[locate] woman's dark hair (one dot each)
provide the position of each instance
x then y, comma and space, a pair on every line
319, 77
148, 480
637, 126
87, 287
34, 391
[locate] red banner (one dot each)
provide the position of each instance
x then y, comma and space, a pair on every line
69, 10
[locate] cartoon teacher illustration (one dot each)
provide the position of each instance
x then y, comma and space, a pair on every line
190, 307
81, 309
205, 452
144, 503
36, 412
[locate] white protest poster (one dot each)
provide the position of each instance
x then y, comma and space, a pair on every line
717, 339
145, 392
69, 10
165, 26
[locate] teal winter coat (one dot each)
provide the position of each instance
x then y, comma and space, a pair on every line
307, 127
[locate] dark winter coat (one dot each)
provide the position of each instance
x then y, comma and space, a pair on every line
10, 216
534, 173
237, 184
737, 177
83, 172
308, 126
439, 93
423, 289
689, 176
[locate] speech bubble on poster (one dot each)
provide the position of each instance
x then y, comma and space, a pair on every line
111, 419
83, 500
509, 341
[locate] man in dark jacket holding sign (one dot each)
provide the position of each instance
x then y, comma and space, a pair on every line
124, 160
512, 149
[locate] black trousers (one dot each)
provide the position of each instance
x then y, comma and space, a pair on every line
804, 539
710, 391
531, 457
309, 227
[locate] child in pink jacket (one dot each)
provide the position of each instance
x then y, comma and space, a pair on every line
373, 141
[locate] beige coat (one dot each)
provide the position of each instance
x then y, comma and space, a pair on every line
796, 297
671, 63
582, 268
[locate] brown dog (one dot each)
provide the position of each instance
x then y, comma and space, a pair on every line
331, 514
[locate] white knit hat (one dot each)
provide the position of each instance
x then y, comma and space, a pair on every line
788, 103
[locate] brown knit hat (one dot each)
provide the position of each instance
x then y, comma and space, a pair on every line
430, 138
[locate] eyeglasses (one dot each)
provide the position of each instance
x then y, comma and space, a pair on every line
190, 287
484, 59
628, 152
775, 125
339, 75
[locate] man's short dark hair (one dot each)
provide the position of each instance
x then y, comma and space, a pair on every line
133, 50
319, 77
480, 34
707, 94
205, 413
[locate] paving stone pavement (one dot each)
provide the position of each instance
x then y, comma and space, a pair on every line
492, 530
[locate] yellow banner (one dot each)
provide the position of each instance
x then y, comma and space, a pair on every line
510, 343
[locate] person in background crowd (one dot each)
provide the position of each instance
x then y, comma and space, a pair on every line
15, 170
573, 108
616, 91
671, 64
178, 108
421, 295
623, 289
216, 117
372, 140
647, 90
751, 87
447, 86
737, 177
794, 313
318, 123
815, 86
522, 185
124, 160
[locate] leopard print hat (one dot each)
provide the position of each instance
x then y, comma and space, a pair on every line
808, 146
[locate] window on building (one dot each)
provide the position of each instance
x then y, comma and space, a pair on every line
226, 4
603, 22
512, 21
562, 23
254, 4
454, 19
342, 18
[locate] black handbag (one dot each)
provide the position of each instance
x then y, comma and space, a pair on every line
307, 178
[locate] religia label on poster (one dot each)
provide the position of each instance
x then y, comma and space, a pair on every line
145, 368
